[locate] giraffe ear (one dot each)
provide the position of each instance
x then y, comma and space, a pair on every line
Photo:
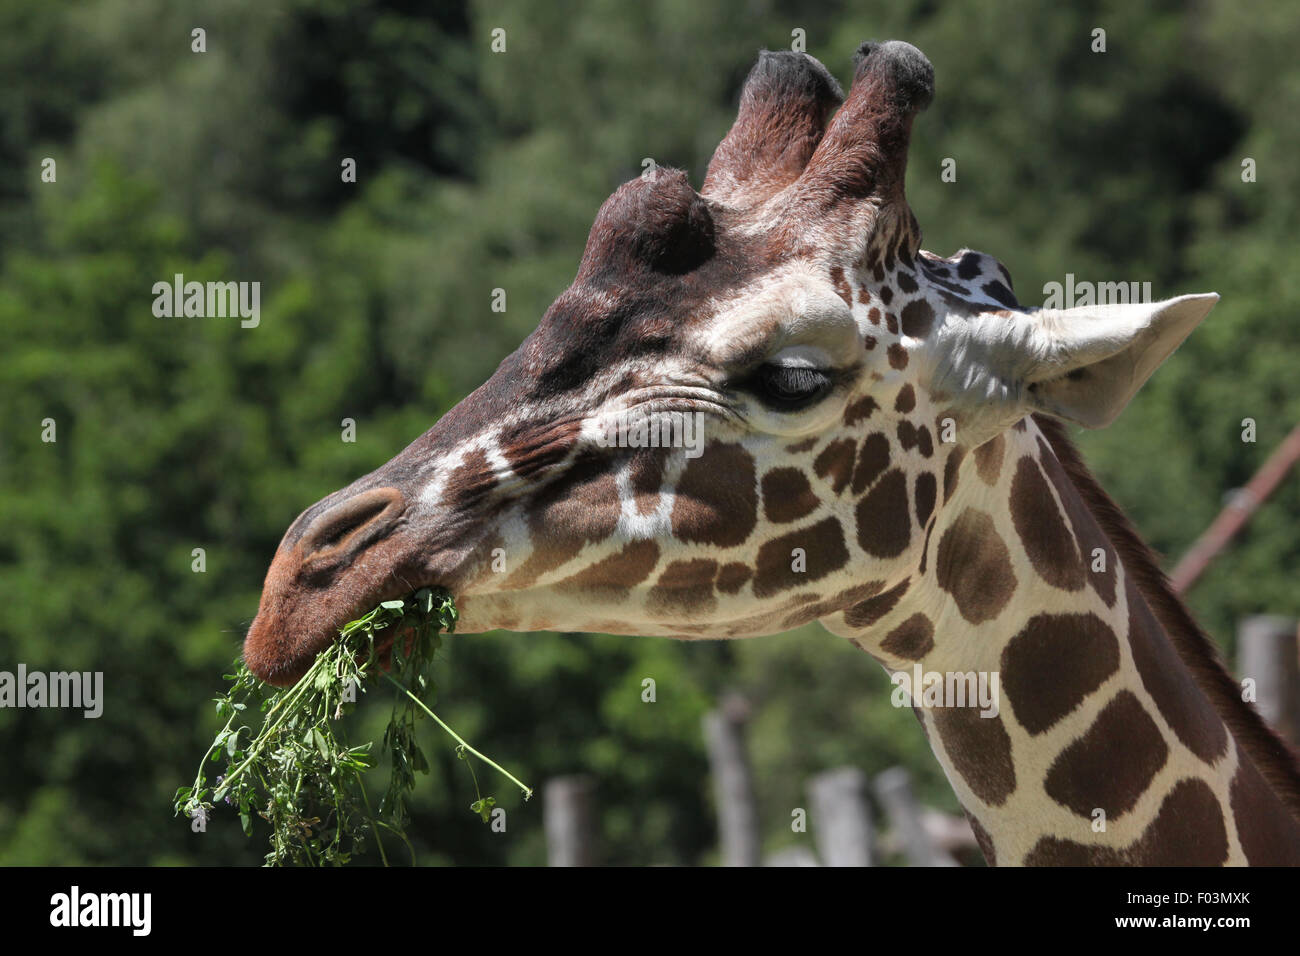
1090, 361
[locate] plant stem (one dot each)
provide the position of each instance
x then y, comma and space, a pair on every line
528, 792
371, 818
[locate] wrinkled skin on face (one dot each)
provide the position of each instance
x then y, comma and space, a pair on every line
806, 354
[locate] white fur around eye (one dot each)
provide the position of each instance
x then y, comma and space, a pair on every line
794, 307
803, 356
809, 421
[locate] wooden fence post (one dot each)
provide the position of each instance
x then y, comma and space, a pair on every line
733, 782
792, 856
1267, 654
894, 790
842, 818
568, 821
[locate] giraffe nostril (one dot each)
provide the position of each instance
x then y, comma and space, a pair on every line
352, 523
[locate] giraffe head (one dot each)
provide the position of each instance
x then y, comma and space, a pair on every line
782, 332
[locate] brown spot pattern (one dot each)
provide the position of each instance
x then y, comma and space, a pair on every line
1112, 764
1086, 530
906, 400
925, 547
884, 518
824, 552
684, 587
1055, 662
988, 460
614, 575
733, 576
1180, 701
581, 506
470, 482
841, 285
872, 609
831, 605
835, 463
1269, 835
926, 489
1048, 543
708, 511
873, 459
1188, 831
917, 318
859, 411
973, 565
911, 640
997, 291
979, 750
907, 435
924, 443
532, 450
787, 496
950, 471
646, 480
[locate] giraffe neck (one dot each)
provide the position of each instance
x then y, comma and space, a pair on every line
1103, 748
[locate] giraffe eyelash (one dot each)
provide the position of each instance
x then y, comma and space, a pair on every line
788, 388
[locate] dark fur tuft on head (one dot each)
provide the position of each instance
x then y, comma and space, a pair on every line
784, 106
908, 71
656, 223
786, 76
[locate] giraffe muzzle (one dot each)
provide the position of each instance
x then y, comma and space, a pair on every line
339, 559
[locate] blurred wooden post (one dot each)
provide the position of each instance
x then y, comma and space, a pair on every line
569, 821
733, 782
792, 856
1267, 653
894, 790
842, 818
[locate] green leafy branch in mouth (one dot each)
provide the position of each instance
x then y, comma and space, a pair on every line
299, 773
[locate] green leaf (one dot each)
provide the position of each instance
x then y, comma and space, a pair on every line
483, 807
322, 746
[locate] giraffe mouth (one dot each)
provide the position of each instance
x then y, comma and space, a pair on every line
279, 653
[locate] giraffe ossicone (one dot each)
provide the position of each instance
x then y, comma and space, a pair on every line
879, 451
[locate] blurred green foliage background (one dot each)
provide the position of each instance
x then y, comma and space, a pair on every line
479, 170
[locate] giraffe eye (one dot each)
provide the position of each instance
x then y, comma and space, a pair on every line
790, 387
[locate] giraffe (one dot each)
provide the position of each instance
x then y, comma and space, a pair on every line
883, 450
